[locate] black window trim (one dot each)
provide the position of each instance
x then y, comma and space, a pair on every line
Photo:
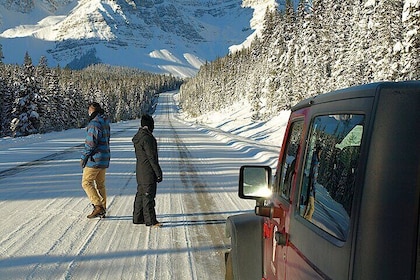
277, 193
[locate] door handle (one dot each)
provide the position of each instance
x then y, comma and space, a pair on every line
281, 238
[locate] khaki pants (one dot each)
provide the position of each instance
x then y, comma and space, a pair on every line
310, 208
93, 182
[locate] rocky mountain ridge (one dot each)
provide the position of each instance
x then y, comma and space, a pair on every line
172, 36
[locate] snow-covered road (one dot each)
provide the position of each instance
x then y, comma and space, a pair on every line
44, 232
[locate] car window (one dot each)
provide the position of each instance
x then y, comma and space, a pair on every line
330, 168
289, 159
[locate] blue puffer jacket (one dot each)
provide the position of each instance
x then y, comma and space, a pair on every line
97, 143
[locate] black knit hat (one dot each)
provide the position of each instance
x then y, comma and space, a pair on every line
148, 121
97, 107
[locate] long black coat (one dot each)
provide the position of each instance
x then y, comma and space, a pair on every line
147, 166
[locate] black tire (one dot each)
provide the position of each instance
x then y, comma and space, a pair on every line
228, 266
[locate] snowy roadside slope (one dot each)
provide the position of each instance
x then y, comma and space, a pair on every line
236, 120
44, 232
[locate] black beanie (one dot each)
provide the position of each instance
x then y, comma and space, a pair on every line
148, 121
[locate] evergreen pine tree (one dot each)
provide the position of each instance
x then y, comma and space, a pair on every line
1, 54
384, 30
342, 35
25, 116
3, 92
410, 58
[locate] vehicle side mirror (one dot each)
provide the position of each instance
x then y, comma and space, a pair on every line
255, 182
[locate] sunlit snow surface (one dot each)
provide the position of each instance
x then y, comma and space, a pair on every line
44, 231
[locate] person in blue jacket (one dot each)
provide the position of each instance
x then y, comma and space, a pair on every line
313, 181
95, 159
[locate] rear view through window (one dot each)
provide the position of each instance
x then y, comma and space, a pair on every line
330, 169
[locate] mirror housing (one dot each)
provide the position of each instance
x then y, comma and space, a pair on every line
255, 182
269, 211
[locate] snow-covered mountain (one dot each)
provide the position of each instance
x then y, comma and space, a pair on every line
173, 36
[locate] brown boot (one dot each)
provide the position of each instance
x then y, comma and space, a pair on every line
98, 211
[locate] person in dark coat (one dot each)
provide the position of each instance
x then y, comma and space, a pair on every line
148, 173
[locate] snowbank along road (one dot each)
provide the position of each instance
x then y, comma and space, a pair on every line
44, 232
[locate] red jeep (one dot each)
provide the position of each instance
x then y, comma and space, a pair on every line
344, 202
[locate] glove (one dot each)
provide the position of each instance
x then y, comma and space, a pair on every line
159, 179
83, 162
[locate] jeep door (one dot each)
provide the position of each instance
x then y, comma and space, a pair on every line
328, 179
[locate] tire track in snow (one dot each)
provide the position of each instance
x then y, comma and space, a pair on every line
80, 252
89, 238
40, 219
46, 159
29, 230
201, 200
182, 150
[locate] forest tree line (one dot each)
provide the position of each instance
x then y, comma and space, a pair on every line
313, 49
39, 99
